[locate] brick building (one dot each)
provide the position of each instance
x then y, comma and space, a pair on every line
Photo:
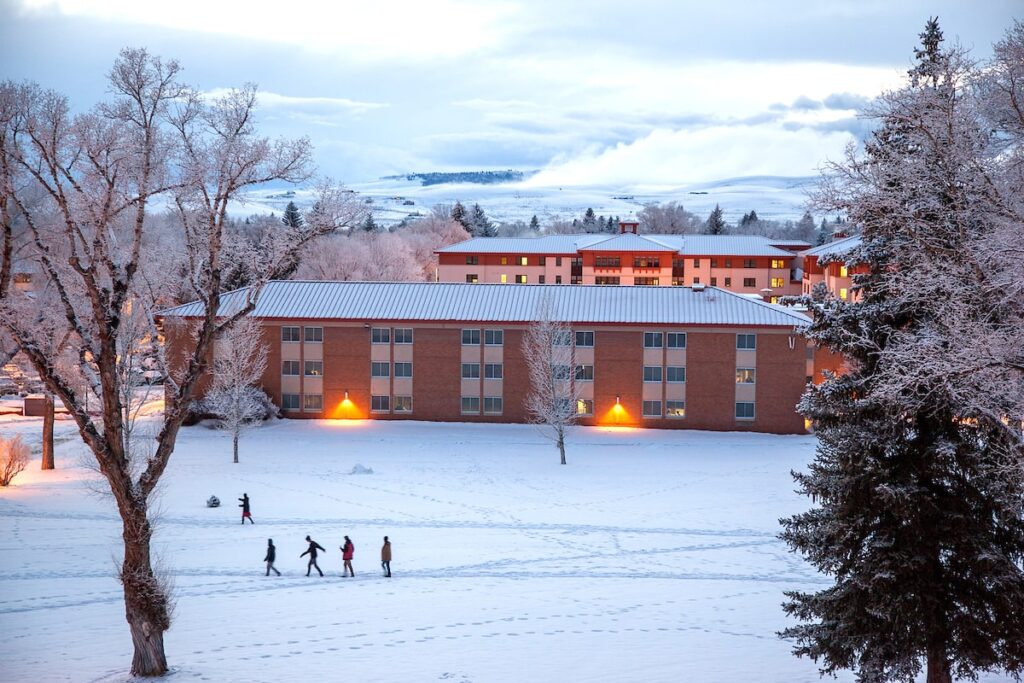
836, 274
686, 357
746, 264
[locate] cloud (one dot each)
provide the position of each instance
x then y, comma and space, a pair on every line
322, 111
846, 100
670, 157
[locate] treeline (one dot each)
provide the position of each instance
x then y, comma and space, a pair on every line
672, 219
478, 177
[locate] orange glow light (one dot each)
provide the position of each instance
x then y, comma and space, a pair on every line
346, 410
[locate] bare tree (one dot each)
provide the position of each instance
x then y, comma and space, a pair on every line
97, 174
551, 360
13, 458
240, 357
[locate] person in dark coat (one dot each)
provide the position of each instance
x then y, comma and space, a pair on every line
347, 552
245, 508
271, 556
311, 551
385, 557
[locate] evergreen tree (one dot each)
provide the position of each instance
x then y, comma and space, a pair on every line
824, 233
534, 224
460, 217
369, 225
805, 229
918, 520
748, 218
612, 225
292, 218
715, 224
589, 221
480, 224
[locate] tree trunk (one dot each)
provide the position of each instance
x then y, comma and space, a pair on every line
234, 444
561, 446
938, 667
145, 598
48, 434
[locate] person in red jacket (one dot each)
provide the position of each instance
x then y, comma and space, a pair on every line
347, 551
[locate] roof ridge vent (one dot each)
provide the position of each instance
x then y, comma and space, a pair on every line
697, 287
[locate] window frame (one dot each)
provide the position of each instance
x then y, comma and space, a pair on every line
652, 370
470, 367
380, 335
584, 345
742, 372
314, 329
753, 411
471, 411
492, 399
471, 332
677, 369
668, 340
581, 368
490, 334
403, 364
670, 415
379, 398
298, 334
742, 337
403, 330
654, 336
376, 366
306, 365
489, 371
588, 404
305, 403
298, 403
645, 413
396, 403
298, 368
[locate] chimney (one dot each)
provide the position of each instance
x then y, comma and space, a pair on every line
628, 226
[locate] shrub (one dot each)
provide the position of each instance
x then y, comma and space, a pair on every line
13, 458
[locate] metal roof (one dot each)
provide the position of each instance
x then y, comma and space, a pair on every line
549, 244
841, 246
449, 301
730, 245
628, 242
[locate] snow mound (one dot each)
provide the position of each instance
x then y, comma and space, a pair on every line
359, 469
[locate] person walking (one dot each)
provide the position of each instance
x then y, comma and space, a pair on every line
385, 557
311, 551
245, 508
271, 556
347, 551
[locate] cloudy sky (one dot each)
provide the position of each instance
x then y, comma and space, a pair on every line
592, 92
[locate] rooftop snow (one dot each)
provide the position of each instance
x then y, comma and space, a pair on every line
446, 301
695, 245
841, 246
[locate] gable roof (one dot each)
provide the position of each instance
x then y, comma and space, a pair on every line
459, 302
628, 242
689, 245
841, 246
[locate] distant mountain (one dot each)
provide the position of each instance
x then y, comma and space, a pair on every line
477, 177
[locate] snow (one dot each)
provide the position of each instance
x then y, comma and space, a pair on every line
652, 556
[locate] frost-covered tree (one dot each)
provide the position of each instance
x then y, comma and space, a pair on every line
805, 228
14, 455
370, 225
920, 499
84, 185
668, 219
551, 361
239, 359
292, 217
589, 220
480, 224
824, 234
715, 224
458, 214
534, 224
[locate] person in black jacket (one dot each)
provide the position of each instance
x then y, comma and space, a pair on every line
311, 551
245, 508
271, 556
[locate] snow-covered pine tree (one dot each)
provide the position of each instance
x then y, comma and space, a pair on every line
292, 218
481, 225
824, 235
715, 224
460, 217
370, 225
534, 224
589, 220
917, 519
805, 229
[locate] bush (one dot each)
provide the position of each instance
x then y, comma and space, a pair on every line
13, 458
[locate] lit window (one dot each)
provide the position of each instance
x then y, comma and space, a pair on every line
842, 271
403, 404
584, 406
472, 278
745, 375
842, 293
777, 282
523, 261
520, 279
314, 368
778, 263
652, 409
504, 278
380, 335
504, 260
745, 410
675, 409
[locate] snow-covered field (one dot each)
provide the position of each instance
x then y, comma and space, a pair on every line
651, 557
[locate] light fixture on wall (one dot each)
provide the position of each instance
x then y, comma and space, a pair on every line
346, 395
616, 399
366, 326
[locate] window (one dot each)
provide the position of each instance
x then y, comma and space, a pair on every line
843, 272
585, 373
290, 367
675, 373
504, 279
470, 337
696, 263
314, 335
524, 261
696, 280
652, 340
646, 262
290, 402
584, 406
714, 263
403, 404
314, 368
541, 279
675, 409
492, 405
728, 263
652, 409
677, 340
746, 342
493, 371
745, 375
776, 283
607, 262
520, 279
494, 337
380, 404
778, 263
560, 372
289, 334
403, 369
714, 282
652, 373
380, 369
745, 410
646, 281
749, 263
504, 260
749, 282
403, 335
543, 260
728, 282
842, 293
470, 405
600, 280
584, 339
472, 260
562, 338
558, 279
470, 371
472, 278
313, 403
679, 282
558, 260
380, 335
